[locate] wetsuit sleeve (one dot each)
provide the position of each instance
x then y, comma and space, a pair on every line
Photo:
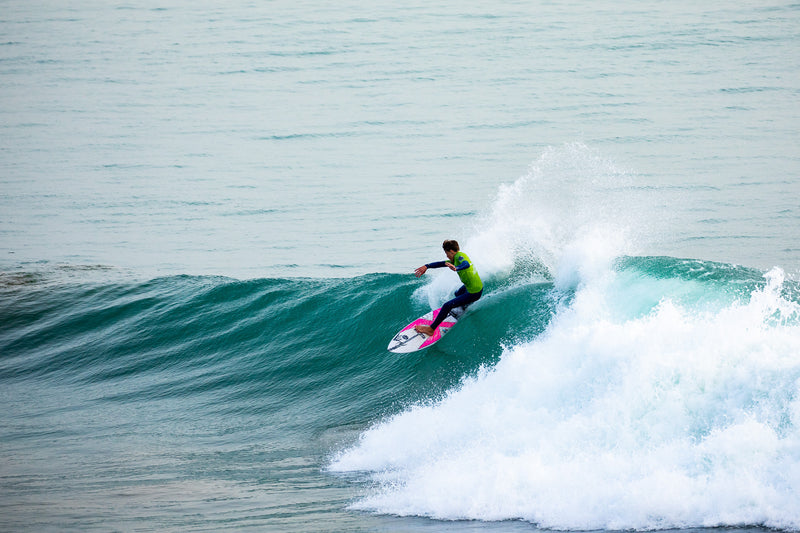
437, 264
462, 266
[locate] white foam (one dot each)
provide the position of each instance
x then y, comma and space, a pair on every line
647, 403
674, 417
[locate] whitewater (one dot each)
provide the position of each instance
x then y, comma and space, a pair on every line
661, 394
646, 404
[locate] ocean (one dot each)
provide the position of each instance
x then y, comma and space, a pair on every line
210, 216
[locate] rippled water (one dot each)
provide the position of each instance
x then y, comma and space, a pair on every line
293, 138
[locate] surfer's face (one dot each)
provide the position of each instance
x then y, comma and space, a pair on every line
450, 254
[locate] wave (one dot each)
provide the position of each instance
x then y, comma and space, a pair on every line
657, 393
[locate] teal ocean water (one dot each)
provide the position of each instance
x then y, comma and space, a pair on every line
209, 220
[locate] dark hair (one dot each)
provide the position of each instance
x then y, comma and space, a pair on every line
450, 245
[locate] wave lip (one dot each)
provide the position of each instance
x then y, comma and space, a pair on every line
681, 415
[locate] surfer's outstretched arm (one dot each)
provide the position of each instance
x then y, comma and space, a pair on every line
421, 270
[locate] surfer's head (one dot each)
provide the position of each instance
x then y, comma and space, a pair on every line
450, 246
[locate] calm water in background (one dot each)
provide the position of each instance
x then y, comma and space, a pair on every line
313, 155
290, 138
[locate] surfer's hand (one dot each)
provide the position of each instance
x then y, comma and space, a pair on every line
451, 266
421, 270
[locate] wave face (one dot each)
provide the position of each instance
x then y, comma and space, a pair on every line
662, 393
273, 340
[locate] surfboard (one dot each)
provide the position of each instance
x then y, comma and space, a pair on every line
408, 340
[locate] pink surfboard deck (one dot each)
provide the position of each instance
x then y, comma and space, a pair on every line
408, 340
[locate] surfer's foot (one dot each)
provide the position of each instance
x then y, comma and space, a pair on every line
425, 330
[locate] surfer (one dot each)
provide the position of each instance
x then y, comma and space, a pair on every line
469, 292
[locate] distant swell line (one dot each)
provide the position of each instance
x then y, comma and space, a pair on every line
296, 136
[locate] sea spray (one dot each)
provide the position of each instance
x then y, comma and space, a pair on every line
569, 193
570, 211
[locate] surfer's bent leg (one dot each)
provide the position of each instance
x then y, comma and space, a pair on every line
462, 298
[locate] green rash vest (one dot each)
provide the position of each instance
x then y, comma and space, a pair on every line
469, 276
